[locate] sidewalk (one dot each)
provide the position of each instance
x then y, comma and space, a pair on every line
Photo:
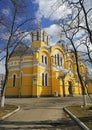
40, 113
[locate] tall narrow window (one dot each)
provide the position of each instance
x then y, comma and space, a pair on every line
55, 59
43, 36
14, 80
47, 40
45, 59
58, 59
42, 79
42, 59
46, 79
61, 61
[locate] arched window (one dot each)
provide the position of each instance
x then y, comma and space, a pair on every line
44, 79
61, 61
44, 59
58, 59
14, 80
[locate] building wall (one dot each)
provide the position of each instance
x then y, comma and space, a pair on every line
29, 68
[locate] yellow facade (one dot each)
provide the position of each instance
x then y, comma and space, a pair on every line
42, 70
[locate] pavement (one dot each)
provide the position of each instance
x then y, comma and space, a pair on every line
41, 113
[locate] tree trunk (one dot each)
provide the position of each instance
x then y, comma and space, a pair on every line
84, 100
2, 101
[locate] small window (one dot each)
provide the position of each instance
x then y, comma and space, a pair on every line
61, 61
47, 40
55, 59
14, 80
42, 59
45, 59
43, 36
58, 59
44, 79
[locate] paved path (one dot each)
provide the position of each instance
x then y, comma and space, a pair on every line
41, 114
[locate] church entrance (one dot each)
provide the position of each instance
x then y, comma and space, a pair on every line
70, 88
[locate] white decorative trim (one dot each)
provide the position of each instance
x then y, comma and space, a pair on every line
25, 61
13, 69
14, 74
26, 65
27, 56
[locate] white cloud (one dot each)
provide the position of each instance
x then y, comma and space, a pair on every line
26, 36
2, 67
6, 11
4, 36
52, 9
54, 32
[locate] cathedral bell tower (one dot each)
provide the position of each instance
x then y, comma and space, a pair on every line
41, 36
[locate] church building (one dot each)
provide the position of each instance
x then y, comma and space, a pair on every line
42, 69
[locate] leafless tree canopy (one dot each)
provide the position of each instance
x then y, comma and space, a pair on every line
15, 25
77, 28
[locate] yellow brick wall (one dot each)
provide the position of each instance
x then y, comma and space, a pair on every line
30, 70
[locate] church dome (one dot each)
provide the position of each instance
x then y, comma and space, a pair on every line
60, 41
40, 35
62, 44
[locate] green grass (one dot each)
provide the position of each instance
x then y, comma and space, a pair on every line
83, 113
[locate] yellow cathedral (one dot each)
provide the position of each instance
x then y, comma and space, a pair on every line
42, 69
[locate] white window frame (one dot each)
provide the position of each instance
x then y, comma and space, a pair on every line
45, 59
57, 52
44, 83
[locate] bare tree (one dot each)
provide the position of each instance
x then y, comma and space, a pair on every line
15, 25
78, 22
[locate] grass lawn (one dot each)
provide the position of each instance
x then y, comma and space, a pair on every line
7, 109
83, 113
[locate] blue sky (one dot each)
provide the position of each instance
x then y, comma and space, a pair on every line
47, 12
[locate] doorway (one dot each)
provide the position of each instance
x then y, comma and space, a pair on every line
70, 88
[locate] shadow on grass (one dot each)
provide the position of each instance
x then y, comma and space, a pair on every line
86, 119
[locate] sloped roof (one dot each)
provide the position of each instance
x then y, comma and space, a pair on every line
22, 49
30, 51
19, 50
